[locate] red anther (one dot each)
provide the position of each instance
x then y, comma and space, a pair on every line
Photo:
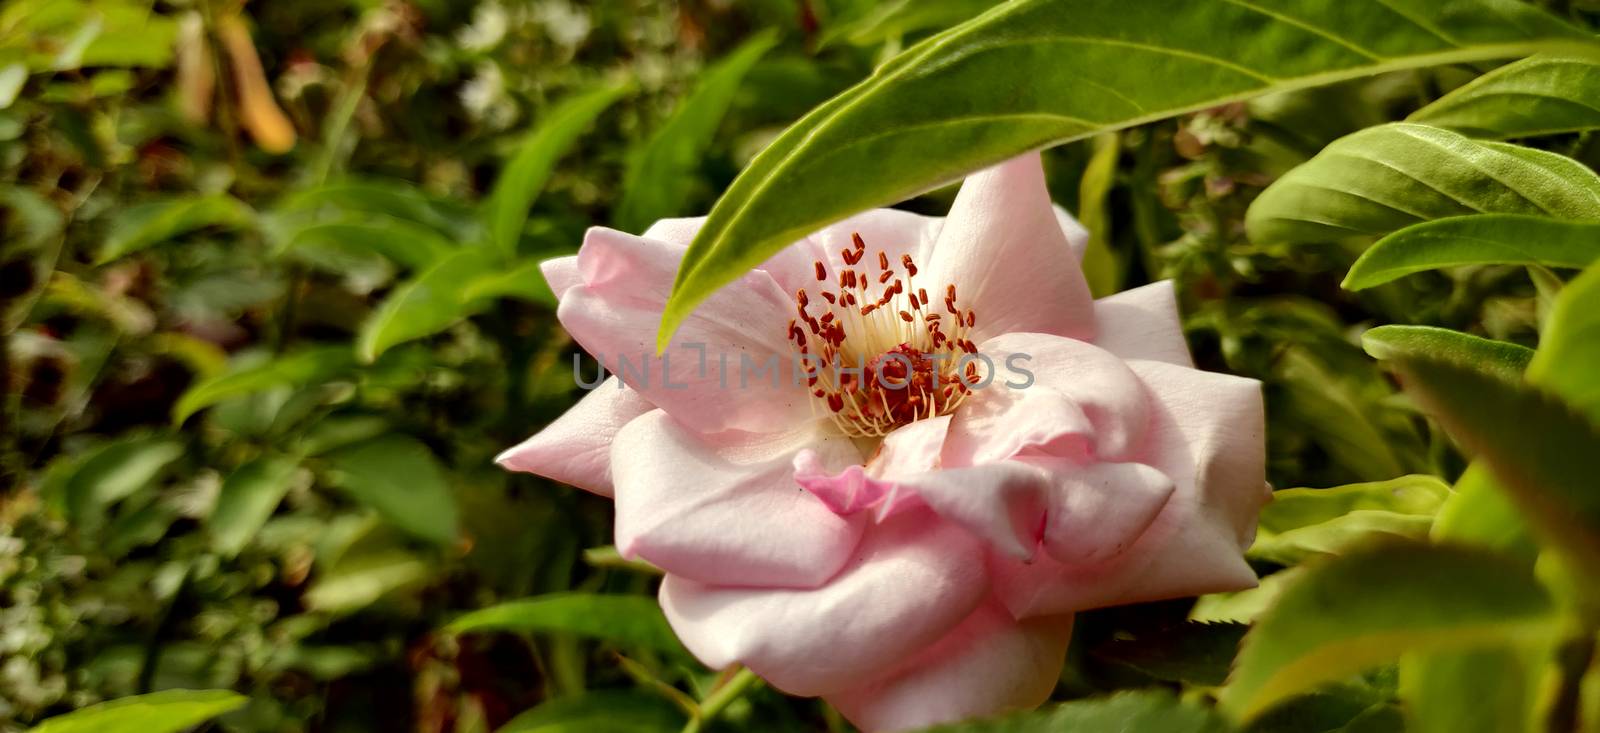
811, 381
922, 295
883, 260
850, 258
818, 392
835, 402
915, 305
861, 279
899, 287
867, 309
933, 320
905, 316
829, 297
855, 238
972, 318
800, 297
849, 299
887, 274
911, 267
822, 273
827, 317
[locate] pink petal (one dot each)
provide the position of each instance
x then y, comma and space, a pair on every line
989, 665
1002, 503
912, 580
679, 231
725, 508
1077, 236
1142, 323
998, 423
561, 273
614, 315
1004, 250
909, 450
575, 449
1093, 379
1207, 437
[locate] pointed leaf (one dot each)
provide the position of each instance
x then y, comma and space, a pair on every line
248, 497
1366, 608
1040, 72
1383, 179
307, 366
1482, 239
145, 225
1194, 653
525, 175
659, 173
400, 478
426, 304
625, 620
1569, 349
168, 711
1394, 342
1543, 95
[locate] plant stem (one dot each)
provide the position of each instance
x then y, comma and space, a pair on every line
721, 697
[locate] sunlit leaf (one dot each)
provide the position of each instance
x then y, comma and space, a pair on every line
115, 471
1100, 265
525, 175
168, 711
248, 497
601, 711
1040, 72
1481, 239
1145, 711
1540, 450
1568, 360
426, 304
361, 580
1383, 179
892, 19
1301, 523
1368, 607
1542, 95
145, 225
1394, 342
622, 619
661, 173
404, 242
400, 478
307, 366
1485, 690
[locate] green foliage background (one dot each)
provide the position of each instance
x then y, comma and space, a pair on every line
253, 385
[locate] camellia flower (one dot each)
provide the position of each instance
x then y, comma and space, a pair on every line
903, 528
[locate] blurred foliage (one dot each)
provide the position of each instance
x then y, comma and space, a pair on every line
270, 305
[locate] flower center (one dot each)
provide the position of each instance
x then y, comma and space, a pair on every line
876, 362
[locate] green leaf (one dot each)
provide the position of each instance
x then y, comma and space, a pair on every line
1100, 265
1144, 711
168, 711
248, 497
1386, 178
426, 304
1366, 608
390, 199
1040, 72
660, 173
525, 281
885, 21
1243, 606
1541, 451
307, 366
1487, 690
1394, 342
1301, 523
1543, 95
524, 177
400, 478
1569, 349
146, 225
359, 581
1194, 653
601, 711
626, 620
115, 471
1480, 239
403, 242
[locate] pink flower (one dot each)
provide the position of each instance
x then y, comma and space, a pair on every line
912, 555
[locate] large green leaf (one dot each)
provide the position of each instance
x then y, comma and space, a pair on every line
306, 366
623, 619
524, 177
893, 19
1301, 523
602, 711
404, 242
168, 711
1486, 690
1479, 239
115, 471
426, 304
359, 581
1393, 342
1383, 179
248, 498
1542, 95
400, 478
661, 172
1038, 72
145, 225
1145, 711
1568, 360
1367, 607
1541, 451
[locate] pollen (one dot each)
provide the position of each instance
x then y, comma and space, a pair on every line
875, 355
